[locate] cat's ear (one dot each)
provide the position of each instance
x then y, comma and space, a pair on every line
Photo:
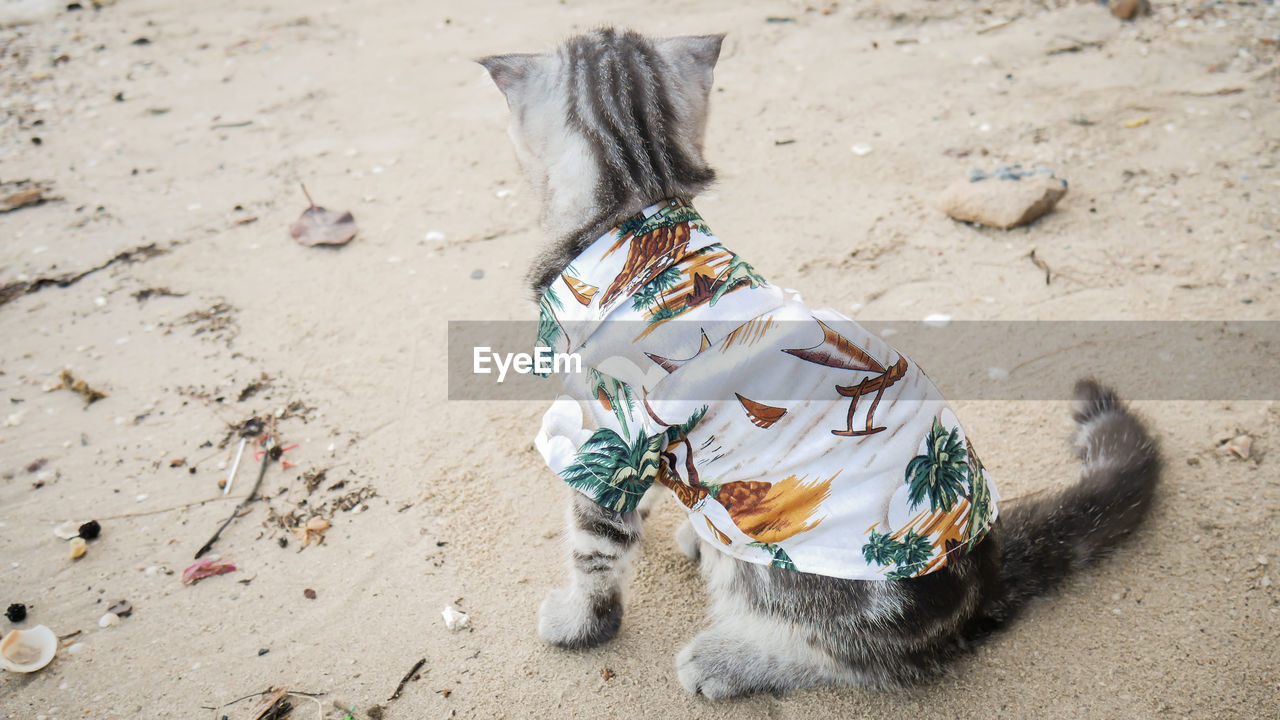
510, 71
694, 56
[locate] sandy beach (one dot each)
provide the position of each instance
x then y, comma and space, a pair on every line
173, 138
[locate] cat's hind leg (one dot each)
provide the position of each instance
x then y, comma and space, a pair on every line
747, 654
687, 540
747, 649
602, 543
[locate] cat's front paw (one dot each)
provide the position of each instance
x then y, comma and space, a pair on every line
706, 667
570, 619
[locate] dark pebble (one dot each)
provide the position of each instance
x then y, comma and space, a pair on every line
309, 594
263, 651
90, 530
17, 612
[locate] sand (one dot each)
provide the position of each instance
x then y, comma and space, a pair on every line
186, 128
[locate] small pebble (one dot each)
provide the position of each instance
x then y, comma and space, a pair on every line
860, 149
17, 612
90, 530
76, 548
997, 373
477, 274
109, 620
309, 594
937, 320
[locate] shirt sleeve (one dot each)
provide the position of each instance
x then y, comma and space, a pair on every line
598, 441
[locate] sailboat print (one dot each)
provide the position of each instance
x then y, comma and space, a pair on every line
837, 351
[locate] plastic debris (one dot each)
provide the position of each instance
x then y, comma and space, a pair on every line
454, 619
207, 567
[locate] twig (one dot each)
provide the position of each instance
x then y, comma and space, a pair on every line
153, 512
407, 676
262, 471
304, 192
1040, 264
997, 25
307, 695
1042, 356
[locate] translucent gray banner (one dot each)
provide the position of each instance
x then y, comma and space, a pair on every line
967, 360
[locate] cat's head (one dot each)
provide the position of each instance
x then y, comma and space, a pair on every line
609, 121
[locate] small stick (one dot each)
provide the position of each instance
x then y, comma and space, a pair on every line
235, 465
304, 192
407, 676
262, 471
1040, 264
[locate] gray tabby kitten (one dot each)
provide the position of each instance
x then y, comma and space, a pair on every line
612, 122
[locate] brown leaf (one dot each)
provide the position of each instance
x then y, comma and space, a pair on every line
21, 193
318, 226
272, 705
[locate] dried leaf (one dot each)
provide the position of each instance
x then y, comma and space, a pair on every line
21, 193
272, 706
77, 385
318, 226
205, 568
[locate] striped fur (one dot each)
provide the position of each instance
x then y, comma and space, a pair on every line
609, 123
612, 122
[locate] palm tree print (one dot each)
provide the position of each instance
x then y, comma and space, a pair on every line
880, 548
614, 473
778, 557
979, 497
549, 330
653, 292
738, 272
913, 552
618, 394
940, 472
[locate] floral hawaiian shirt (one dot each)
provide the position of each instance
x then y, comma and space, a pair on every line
794, 437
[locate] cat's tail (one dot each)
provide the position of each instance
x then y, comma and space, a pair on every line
1048, 536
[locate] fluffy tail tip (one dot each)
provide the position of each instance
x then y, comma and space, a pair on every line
1091, 399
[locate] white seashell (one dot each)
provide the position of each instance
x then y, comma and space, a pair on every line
67, 530
937, 320
1240, 445
109, 620
27, 651
455, 620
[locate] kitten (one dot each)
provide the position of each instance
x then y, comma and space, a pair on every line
613, 122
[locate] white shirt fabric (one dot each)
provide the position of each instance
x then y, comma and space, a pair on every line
794, 437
